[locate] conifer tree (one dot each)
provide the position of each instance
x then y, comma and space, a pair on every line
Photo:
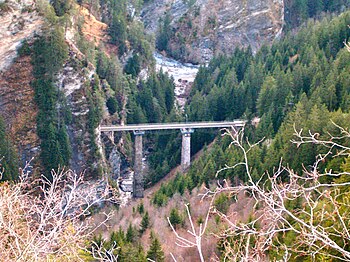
175, 218
144, 223
8, 158
155, 251
130, 234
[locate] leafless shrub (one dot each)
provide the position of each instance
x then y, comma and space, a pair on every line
320, 223
196, 235
47, 219
100, 253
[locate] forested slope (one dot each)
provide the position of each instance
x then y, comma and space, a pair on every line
309, 67
92, 64
302, 80
299, 83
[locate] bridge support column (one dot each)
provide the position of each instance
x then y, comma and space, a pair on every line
138, 186
186, 148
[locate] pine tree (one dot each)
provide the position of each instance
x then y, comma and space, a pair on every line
117, 31
61, 6
141, 208
175, 218
130, 234
155, 251
8, 158
144, 223
112, 105
165, 33
133, 66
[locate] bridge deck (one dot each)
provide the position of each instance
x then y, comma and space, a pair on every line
164, 126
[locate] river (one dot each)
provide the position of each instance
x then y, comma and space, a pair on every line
183, 74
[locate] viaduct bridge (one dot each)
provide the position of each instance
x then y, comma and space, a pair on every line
186, 130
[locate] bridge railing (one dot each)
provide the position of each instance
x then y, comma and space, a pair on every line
174, 125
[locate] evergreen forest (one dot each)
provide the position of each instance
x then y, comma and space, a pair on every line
298, 83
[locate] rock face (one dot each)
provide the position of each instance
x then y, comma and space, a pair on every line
19, 21
71, 84
18, 108
202, 28
115, 162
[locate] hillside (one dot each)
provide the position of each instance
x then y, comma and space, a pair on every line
195, 31
67, 67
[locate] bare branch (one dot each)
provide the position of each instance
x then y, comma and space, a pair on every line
312, 222
45, 218
197, 241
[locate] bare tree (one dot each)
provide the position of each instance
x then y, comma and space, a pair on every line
196, 235
48, 219
99, 252
321, 222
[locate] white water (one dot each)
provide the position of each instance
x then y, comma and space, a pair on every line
183, 74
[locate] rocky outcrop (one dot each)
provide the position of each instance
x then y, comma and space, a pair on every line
202, 28
75, 84
115, 162
18, 21
93, 30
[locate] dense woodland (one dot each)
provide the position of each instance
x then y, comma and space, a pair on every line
301, 81
241, 75
308, 67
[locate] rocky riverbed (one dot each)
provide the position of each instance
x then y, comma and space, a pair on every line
183, 74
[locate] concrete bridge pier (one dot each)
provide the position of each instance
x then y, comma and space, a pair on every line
186, 147
138, 186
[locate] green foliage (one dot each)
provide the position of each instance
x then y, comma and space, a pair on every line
118, 244
141, 208
112, 105
222, 203
117, 31
156, 97
94, 117
8, 156
4, 7
144, 223
49, 53
270, 84
24, 49
179, 184
131, 234
110, 70
133, 66
155, 251
306, 93
175, 218
160, 199
298, 11
153, 101
61, 6
164, 34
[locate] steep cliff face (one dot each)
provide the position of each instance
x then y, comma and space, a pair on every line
18, 108
71, 84
202, 28
18, 21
